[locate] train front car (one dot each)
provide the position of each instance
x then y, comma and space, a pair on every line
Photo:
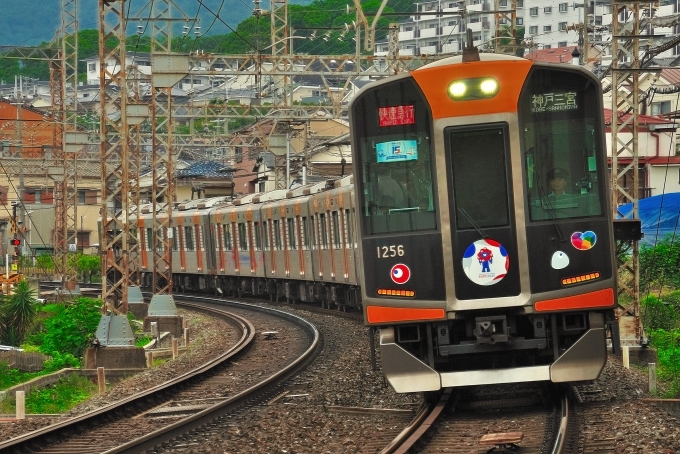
486, 236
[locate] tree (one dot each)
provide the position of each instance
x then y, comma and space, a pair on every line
90, 264
18, 313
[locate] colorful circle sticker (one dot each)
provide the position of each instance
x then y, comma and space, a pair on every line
486, 262
400, 273
583, 240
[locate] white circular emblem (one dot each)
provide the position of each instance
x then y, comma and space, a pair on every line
486, 262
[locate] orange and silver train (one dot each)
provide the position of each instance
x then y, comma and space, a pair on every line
486, 250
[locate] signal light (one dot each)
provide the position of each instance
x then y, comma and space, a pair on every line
16, 242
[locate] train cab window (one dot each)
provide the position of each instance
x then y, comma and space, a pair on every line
226, 231
258, 238
323, 240
242, 237
560, 114
277, 234
189, 237
395, 159
290, 231
305, 233
336, 229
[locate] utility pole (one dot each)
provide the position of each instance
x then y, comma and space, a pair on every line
624, 141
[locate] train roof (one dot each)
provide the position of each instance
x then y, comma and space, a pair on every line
459, 59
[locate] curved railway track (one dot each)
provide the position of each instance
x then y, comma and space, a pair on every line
159, 415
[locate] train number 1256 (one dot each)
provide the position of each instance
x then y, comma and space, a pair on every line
385, 252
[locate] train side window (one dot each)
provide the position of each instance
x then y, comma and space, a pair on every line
265, 235
336, 229
323, 241
242, 237
182, 239
277, 234
313, 231
291, 233
200, 245
305, 232
348, 228
173, 231
188, 237
149, 239
226, 231
258, 238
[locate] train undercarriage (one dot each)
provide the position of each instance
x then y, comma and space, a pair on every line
497, 348
327, 295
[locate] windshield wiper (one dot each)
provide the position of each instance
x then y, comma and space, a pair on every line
473, 223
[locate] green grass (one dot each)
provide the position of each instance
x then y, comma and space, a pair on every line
10, 377
142, 341
57, 398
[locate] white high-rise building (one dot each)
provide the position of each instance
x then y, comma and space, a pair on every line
546, 23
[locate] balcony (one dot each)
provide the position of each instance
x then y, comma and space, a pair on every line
427, 32
475, 26
406, 52
451, 48
450, 30
428, 50
405, 36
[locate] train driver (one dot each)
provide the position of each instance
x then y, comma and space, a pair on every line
391, 192
557, 179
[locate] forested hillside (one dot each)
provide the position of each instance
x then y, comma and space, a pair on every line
30, 23
319, 26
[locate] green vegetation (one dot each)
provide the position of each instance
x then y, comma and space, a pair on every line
660, 309
252, 35
10, 377
58, 398
142, 341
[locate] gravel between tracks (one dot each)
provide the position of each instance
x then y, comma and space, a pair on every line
342, 376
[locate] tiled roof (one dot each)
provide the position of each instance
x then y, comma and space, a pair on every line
205, 169
557, 55
643, 119
671, 75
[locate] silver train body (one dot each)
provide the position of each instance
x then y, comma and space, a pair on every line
296, 244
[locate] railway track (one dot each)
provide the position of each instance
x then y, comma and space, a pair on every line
164, 414
480, 419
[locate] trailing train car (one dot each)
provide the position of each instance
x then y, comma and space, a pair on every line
294, 244
486, 243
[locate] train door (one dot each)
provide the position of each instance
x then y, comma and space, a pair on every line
483, 233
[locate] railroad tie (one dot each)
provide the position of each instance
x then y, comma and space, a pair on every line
503, 441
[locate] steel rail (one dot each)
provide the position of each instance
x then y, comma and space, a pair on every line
197, 420
420, 424
32, 440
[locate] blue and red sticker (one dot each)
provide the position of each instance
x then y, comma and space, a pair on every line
486, 262
400, 273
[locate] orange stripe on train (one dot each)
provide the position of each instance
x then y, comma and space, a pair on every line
599, 298
382, 314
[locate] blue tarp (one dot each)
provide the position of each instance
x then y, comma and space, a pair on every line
658, 215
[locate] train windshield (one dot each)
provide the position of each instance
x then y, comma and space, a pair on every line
560, 112
391, 127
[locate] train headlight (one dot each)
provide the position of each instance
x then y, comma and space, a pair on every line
471, 89
457, 90
489, 87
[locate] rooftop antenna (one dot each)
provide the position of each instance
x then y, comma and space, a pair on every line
470, 52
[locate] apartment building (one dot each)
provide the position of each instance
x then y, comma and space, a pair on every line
546, 24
